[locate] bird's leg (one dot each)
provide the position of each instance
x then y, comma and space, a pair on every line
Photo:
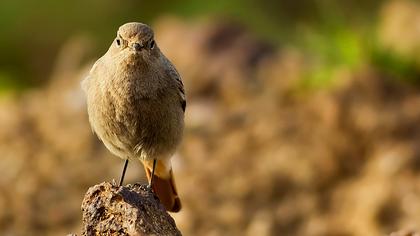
123, 173
153, 173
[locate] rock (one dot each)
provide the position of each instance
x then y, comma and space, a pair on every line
128, 210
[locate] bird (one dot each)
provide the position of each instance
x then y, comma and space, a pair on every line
136, 104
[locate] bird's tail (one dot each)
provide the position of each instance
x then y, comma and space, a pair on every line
163, 184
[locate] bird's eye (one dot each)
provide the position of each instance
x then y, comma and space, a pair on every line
118, 42
152, 44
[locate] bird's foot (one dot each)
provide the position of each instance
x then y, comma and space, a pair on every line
149, 188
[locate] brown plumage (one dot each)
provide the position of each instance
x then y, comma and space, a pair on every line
136, 105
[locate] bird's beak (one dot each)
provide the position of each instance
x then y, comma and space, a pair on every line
136, 46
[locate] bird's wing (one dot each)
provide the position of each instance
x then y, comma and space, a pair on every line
173, 73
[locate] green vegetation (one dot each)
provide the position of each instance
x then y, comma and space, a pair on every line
397, 66
332, 50
334, 34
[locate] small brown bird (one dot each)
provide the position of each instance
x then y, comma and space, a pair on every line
136, 104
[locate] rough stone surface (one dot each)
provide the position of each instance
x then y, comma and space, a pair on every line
128, 210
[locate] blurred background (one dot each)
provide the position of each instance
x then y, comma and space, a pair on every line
303, 117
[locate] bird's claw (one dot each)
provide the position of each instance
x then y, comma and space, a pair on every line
149, 187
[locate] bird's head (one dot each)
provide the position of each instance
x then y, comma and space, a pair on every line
135, 40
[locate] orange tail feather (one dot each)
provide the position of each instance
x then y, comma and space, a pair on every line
163, 184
